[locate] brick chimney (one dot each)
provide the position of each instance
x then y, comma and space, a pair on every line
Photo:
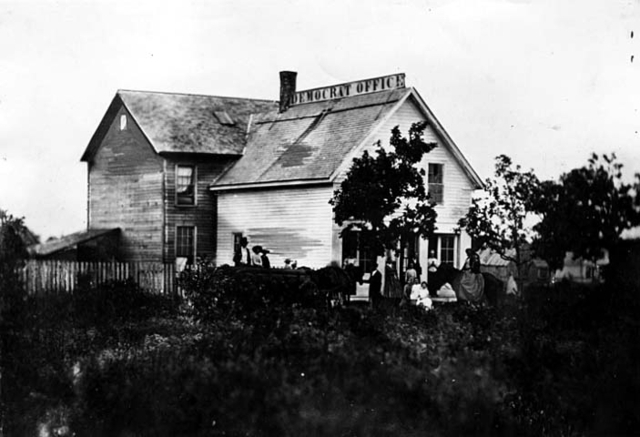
287, 88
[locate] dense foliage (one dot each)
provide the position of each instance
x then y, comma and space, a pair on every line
559, 363
500, 218
384, 195
586, 211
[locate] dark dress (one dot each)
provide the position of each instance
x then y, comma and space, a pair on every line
375, 282
265, 262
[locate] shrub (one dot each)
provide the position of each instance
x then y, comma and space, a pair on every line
226, 292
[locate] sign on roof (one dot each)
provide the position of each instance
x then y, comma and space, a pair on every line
350, 89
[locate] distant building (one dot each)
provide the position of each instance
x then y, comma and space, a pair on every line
90, 245
533, 270
580, 269
185, 176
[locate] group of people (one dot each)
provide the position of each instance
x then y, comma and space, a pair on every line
257, 256
417, 292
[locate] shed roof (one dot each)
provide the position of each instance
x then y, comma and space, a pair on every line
185, 123
489, 257
68, 241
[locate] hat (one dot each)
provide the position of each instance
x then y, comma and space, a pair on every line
265, 250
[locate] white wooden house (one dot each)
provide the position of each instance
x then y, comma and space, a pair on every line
188, 175
278, 193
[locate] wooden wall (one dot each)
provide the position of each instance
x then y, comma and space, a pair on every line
202, 215
125, 191
457, 186
293, 223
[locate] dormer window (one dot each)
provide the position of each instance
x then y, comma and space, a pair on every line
123, 122
185, 185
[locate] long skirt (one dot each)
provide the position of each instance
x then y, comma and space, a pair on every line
471, 286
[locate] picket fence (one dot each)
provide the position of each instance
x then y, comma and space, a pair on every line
45, 276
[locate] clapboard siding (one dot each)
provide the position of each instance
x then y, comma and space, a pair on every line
125, 191
457, 186
203, 214
293, 223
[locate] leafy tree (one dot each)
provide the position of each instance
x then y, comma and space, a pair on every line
586, 211
12, 253
13, 234
384, 194
501, 219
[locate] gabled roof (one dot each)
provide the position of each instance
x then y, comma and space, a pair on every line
308, 141
68, 241
184, 123
312, 142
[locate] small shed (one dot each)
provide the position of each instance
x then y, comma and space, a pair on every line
492, 262
89, 245
534, 270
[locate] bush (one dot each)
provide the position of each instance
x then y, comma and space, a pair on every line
226, 292
50, 333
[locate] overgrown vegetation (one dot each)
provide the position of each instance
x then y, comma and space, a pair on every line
115, 361
586, 211
500, 218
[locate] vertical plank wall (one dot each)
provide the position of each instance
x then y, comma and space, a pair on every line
125, 191
202, 215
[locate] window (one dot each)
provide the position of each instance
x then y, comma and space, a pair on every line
237, 242
185, 185
185, 243
123, 122
444, 246
435, 180
447, 249
410, 253
353, 247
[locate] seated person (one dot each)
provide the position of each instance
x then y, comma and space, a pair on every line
420, 294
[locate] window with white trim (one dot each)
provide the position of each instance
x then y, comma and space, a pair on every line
436, 182
185, 243
185, 185
444, 245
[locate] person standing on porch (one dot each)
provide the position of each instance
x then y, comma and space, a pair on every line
432, 266
265, 258
375, 286
392, 286
472, 281
411, 275
242, 256
256, 256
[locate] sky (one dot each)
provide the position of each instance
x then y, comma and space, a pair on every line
546, 82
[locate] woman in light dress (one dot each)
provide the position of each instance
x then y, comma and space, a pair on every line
420, 294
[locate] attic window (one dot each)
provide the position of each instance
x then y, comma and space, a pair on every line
123, 122
224, 118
